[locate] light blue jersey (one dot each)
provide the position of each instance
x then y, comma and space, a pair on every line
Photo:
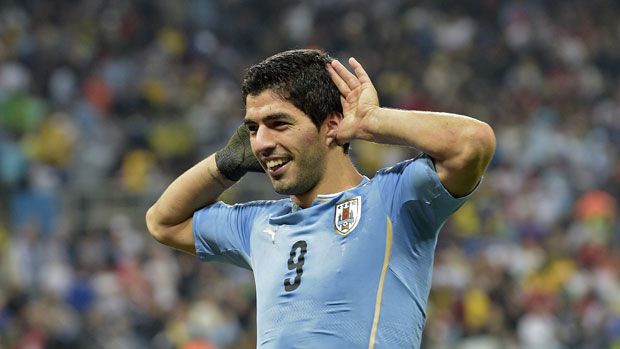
351, 271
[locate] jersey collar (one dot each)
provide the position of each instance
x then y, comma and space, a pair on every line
321, 198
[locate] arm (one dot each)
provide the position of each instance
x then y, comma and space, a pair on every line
461, 147
170, 219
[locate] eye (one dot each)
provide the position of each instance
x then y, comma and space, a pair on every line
279, 124
252, 128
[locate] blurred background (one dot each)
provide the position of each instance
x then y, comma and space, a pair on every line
103, 103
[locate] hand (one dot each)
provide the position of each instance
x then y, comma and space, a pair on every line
237, 159
358, 97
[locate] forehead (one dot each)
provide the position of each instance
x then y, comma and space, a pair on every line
269, 103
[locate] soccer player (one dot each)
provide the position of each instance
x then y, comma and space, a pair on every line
345, 261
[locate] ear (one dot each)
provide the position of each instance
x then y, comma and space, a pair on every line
330, 125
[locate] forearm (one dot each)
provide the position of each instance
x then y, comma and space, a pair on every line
199, 186
441, 135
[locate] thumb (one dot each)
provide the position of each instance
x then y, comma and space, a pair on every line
345, 105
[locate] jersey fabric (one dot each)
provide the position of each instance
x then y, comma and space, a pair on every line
351, 271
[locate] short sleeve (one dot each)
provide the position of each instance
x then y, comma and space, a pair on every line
222, 233
413, 189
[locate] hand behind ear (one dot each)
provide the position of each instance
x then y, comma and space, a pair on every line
358, 97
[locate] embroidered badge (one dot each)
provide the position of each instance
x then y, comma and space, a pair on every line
347, 215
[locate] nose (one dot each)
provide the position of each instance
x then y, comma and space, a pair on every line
263, 142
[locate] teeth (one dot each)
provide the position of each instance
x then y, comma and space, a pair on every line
274, 163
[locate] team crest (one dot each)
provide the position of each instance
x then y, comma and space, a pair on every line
347, 215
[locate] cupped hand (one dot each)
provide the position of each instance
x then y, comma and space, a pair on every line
358, 97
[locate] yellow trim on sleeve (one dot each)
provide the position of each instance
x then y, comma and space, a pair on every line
386, 261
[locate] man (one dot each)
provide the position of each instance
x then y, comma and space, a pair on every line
346, 261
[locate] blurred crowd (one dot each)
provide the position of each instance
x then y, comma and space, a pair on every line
116, 98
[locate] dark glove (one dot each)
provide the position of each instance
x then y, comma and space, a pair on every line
237, 159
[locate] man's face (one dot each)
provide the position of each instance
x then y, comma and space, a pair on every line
286, 143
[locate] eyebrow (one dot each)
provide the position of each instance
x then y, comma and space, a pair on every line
270, 117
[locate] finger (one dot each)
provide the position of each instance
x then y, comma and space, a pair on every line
340, 83
351, 80
359, 71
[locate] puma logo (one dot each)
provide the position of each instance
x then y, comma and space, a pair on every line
271, 232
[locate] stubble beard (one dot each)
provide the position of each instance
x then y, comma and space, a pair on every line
310, 168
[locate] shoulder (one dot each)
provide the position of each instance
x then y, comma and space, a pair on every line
223, 210
410, 180
422, 160
239, 217
260, 204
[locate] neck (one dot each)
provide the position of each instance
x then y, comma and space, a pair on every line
339, 175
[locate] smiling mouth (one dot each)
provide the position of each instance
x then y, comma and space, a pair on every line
275, 165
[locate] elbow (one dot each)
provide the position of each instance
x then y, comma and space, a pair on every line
154, 225
472, 154
178, 236
484, 145
478, 149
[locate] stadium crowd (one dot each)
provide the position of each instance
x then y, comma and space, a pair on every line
121, 96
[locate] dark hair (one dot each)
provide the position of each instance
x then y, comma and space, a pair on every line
300, 77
